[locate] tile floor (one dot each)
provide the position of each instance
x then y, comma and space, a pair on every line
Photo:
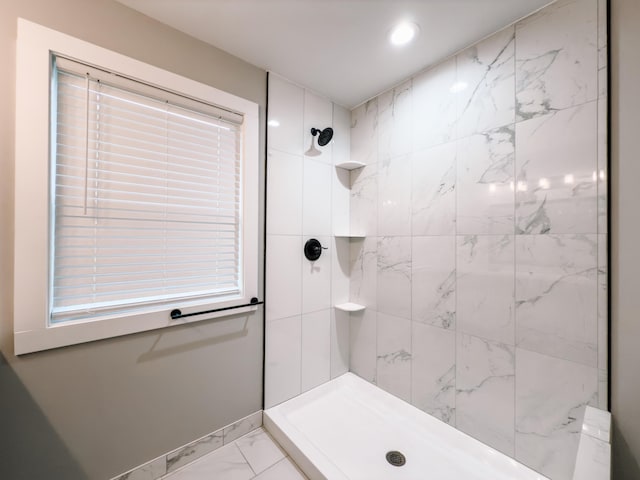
256, 456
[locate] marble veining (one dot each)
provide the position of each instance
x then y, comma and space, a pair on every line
433, 190
194, 450
394, 276
556, 58
485, 391
364, 272
394, 198
433, 280
434, 371
556, 296
555, 167
364, 200
485, 182
485, 287
549, 411
394, 121
434, 106
394, 355
485, 75
364, 133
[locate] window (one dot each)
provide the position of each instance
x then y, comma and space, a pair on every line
133, 197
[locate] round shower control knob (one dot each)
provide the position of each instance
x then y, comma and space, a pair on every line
313, 249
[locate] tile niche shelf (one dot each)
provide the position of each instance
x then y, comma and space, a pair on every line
349, 235
350, 307
350, 165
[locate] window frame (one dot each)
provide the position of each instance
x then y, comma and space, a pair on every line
32, 329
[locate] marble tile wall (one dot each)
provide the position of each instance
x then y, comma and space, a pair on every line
307, 340
484, 267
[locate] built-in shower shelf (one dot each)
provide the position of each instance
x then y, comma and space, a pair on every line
350, 165
349, 235
350, 307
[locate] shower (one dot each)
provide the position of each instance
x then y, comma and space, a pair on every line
324, 137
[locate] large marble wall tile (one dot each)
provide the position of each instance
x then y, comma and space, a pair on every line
316, 198
364, 133
394, 355
316, 349
433, 177
340, 201
341, 142
286, 107
318, 113
434, 106
485, 99
363, 215
283, 276
362, 344
485, 391
340, 249
556, 58
603, 321
433, 280
551, 395
283, 356
316, 278
394, 122
284, 193
555, 166
485, 182
556, 296
485, 286
433, 375
603, 41
363, 284
394, 276
394, 198
339, 342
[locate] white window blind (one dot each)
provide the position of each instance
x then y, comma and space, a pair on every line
147, 200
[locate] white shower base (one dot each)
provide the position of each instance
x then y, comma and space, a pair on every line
343, 429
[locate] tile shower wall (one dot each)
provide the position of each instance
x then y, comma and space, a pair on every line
483, 270
307, 340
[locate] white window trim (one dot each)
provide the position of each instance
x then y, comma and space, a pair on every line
32, 331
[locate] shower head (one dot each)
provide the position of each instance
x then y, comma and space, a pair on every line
325, 135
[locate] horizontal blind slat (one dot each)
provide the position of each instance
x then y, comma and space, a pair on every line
149, 209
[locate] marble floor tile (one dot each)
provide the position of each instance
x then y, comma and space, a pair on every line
226, 463
260, 450
255, 456
285, 469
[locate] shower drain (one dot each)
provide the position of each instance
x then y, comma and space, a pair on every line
396, 458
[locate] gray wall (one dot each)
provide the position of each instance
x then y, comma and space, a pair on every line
98, 409
625, 229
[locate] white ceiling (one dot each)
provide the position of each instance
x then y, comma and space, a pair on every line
338, 48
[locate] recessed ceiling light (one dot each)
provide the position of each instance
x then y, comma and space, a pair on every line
403, 33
